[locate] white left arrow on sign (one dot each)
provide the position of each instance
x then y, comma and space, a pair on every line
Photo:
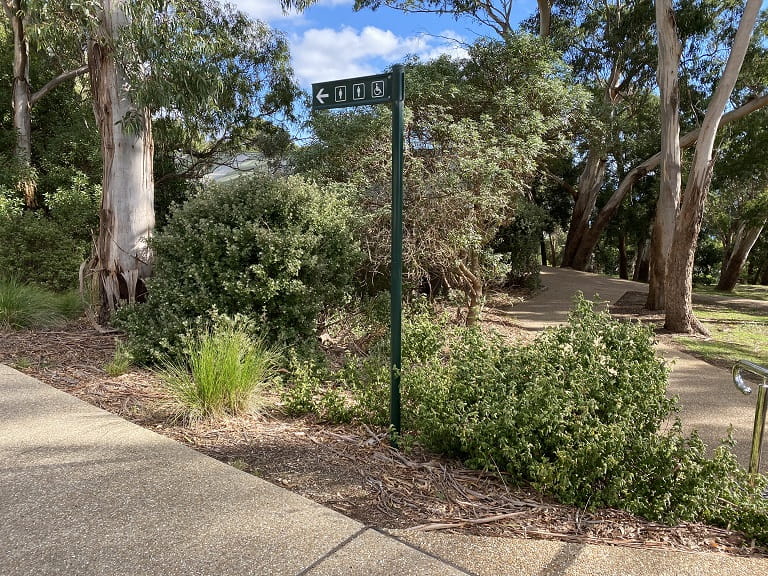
321, 96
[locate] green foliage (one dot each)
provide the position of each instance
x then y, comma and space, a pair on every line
580, 414
519, 241
74, 207
476, 132
29, 306
221, 88
121, 361
275, 250
707, 260
224, 368
48, 246
40, 250
360, 389
301, 395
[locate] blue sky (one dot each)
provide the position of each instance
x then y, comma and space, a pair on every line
330, 40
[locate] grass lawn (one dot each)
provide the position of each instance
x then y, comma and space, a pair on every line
751, 291
736, 334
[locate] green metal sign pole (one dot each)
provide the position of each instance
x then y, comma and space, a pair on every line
396, 288
366, 91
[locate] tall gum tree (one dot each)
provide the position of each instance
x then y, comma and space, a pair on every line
122, 258
679, 315
223, 72
22, 15
670, 51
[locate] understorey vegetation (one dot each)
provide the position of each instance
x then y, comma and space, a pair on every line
519, 152
580, 413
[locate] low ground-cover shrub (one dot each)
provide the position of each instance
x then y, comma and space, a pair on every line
581, 414
224, 370
275, 250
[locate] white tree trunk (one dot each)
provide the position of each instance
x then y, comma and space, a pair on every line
20, 100
23, 99
127, 218
669, 194
679, 282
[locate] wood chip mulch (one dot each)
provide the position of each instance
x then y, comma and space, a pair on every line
350, 469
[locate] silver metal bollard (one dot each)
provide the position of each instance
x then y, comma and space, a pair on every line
760, 409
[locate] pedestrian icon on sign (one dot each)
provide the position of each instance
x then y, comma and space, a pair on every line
341, 94
377, 88
358, 91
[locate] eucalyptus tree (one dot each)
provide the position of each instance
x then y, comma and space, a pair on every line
477, 130
26, 19
737, 207
194, 61
611, 49
679, 315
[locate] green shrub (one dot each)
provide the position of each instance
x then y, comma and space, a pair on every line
225, 368
275, 250
46, 247
579, 414
75, 208
28, 306
519, 241
36, 249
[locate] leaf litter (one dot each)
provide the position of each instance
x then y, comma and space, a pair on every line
352, 469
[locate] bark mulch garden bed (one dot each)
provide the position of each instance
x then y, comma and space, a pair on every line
350, 469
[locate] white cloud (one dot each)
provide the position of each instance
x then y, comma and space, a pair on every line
272, 11
266, 10
321, 54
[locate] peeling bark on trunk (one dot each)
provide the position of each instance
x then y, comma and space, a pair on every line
670, 50
744, 240
122, 259
678, 289
679, 282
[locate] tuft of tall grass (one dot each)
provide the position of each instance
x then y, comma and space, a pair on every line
121, 361
70, 304
28, 306
224, 370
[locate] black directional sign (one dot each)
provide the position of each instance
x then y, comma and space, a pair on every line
361, 91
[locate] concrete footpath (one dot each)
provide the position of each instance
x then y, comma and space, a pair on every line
83, 492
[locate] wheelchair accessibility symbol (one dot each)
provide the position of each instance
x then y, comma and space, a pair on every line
377, 88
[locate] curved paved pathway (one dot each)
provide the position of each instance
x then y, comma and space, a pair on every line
709, 402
